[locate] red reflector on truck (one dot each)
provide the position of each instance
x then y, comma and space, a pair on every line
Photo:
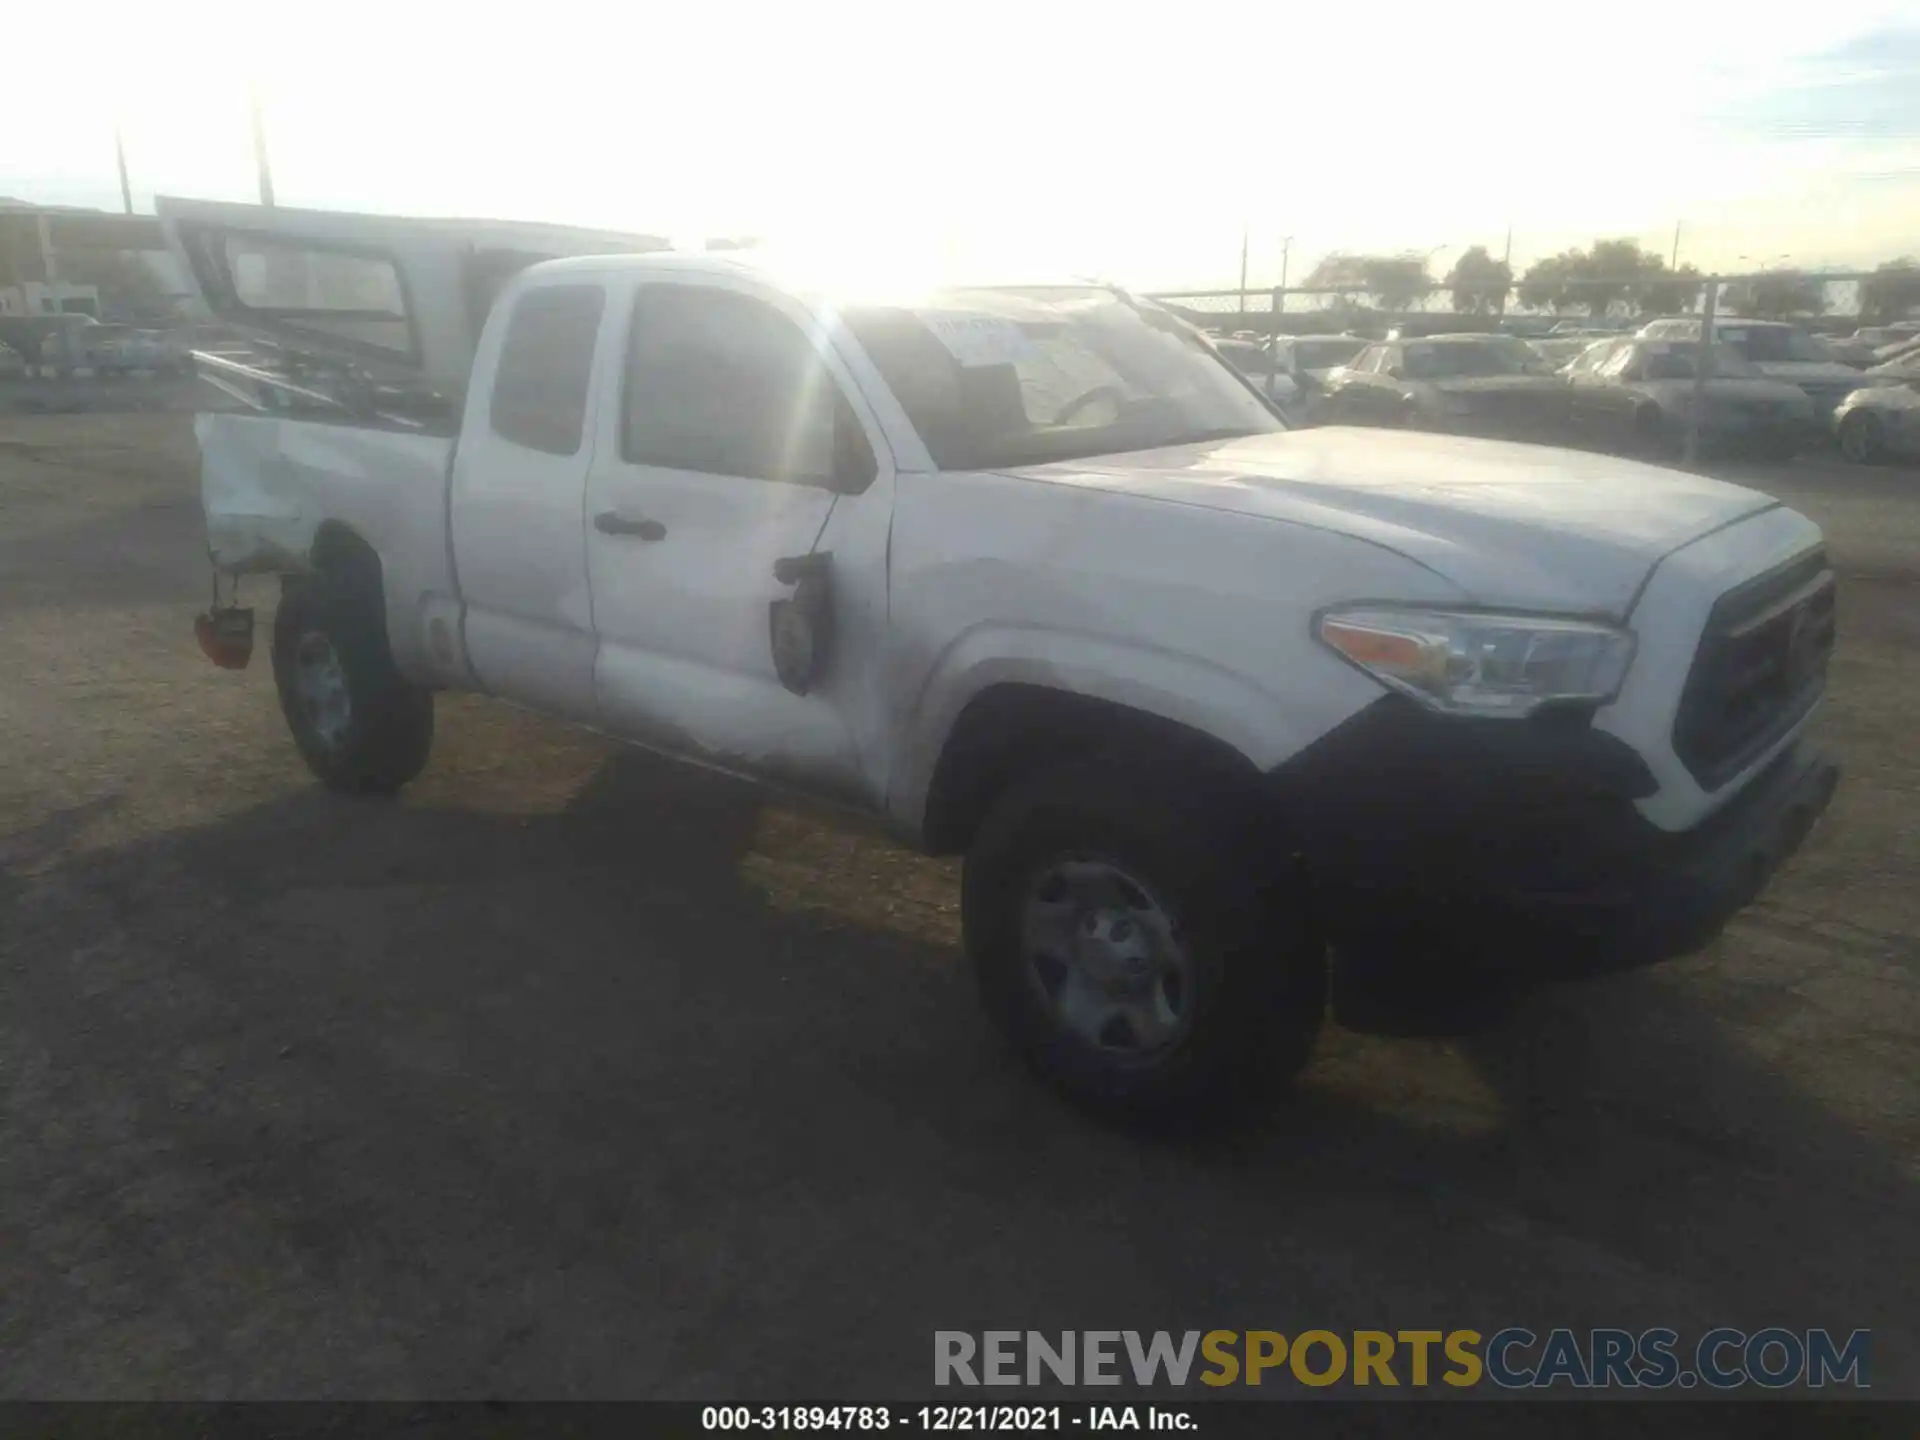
226, 637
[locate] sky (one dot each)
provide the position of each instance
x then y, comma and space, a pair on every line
1136, 142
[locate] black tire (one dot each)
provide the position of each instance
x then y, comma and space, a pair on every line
1863, 439
1257, 966
388, 730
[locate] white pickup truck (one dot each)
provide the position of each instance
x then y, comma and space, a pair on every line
1035, 576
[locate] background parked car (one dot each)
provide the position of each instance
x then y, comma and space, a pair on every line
1256, 362
1308, 361
1778, 351
1559, 351
1467, 384
47, 339
1527, 327
1588, 325
1881, 420
12, 366
1880, 336
1899, 350
1850, 350
1638, 395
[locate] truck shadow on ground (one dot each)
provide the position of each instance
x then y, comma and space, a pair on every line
372, 1098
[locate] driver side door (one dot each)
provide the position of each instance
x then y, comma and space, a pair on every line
733, 446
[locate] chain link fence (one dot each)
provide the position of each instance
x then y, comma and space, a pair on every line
1827, 303
1619, 306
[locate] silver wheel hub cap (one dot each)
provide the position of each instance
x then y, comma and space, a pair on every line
320, 683
1106, 958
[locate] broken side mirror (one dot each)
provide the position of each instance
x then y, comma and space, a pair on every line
800, 627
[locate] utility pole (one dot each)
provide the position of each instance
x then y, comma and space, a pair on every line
120, 155
1506, 264
1673, 262
1244, 237
1280, 290
1702, 369
260, 145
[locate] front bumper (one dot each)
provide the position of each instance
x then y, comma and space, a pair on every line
1699, 880
1518, 848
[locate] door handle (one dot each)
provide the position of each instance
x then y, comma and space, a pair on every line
612, 522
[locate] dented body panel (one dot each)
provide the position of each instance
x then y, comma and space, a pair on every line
270, 485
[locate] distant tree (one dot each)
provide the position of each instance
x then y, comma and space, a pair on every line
1616, 269
1668, 292
1776, 295
1479, 282
1397, 281
1548, 284
1394, 281
1892, 292
1613, 272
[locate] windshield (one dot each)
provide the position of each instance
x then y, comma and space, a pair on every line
1020, 377
1325, 354
1677, 361
1461, 360
1775, 342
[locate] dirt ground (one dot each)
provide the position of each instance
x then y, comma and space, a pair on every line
574, 1074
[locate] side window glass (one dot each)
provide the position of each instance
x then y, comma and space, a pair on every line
1619, 363
546, 365
721, 383
1593, 357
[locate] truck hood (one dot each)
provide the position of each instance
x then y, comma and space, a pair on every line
1523, 526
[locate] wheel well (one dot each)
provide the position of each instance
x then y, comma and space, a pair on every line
1008, 730
342, 555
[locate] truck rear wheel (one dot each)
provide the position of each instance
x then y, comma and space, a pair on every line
1139, 945
360, 727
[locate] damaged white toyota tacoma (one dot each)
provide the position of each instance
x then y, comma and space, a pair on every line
1035, 576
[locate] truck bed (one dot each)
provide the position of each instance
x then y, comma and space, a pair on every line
269, 484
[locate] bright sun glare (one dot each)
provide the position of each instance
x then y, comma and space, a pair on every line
1068, 139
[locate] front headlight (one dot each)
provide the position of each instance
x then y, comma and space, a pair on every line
1473, 664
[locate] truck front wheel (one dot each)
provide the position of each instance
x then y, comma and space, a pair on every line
1140, 945
360, 727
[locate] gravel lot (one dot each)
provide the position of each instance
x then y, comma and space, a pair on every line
574, 1074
